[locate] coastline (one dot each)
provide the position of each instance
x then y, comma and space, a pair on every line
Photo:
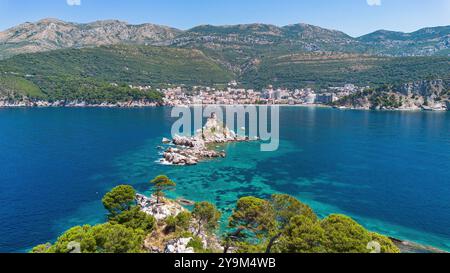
411, 247
139, 104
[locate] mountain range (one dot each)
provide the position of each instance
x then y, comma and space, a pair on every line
51, 34
52, 57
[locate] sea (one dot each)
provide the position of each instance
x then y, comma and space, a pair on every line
390, 171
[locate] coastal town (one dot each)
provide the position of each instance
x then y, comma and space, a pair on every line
232, 94
235, 95
201, 95
421, 95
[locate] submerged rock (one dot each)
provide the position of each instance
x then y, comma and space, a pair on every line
185, 202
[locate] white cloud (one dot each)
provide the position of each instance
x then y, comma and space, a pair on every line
374, 2
74, 2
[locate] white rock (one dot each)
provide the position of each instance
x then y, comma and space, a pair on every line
179, 246
170, 249
160, 211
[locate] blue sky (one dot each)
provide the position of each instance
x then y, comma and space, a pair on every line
355, 17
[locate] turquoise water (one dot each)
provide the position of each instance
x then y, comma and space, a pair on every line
388, 170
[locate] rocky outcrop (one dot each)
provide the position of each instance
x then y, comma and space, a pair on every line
421, 95
160, 210
191, 150
179, 246
432, 89
189, 156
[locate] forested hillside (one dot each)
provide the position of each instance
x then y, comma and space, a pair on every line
104, 73
336, 69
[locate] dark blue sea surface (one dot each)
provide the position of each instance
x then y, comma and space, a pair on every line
388, 170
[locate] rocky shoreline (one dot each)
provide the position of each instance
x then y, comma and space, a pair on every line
188, 151
416, 96
390, 109
410, 247
75, 104
136, 104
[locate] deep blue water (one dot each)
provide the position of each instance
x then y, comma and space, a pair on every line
388, 170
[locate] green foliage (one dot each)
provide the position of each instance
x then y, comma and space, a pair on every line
321, 70
105, 238
382, 99
400, 43
285, 225
302, 235
171, 224
135, 219
286, 207
118, 239
183, 220
179, 223
253, 215
282, 224
197, 244
14, 87
343, 235
252, 221
206, 215
160, 184
247, 247
92, 90
119, 199
40, 249
387, 246
86, 74
80, 235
